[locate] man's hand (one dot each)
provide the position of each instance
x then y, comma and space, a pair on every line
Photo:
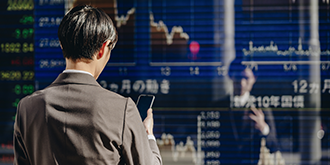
149, 122
259, 118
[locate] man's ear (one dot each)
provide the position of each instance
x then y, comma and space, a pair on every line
101, 52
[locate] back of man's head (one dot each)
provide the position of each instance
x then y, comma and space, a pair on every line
83, 30
236, 70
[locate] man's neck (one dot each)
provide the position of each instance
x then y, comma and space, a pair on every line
83, 65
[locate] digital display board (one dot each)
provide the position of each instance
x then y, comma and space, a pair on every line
197, 58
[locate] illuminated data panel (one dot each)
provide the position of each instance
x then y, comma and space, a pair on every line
182, 52
289, 57
49, 61
16, 66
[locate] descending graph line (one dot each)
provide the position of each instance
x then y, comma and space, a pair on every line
179, 48
165, 43
161, 27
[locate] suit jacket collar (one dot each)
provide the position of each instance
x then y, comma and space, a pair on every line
75, 78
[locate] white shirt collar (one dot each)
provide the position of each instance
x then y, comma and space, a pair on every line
76, 71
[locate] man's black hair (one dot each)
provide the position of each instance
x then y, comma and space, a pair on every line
83, 30
236, 69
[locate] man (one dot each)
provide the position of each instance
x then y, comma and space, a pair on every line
75, 120
248, 126
242, 126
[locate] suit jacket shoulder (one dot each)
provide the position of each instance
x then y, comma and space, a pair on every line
72, 121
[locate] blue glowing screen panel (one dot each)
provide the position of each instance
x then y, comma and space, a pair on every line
210, 64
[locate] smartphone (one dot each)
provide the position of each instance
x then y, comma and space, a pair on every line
143, 103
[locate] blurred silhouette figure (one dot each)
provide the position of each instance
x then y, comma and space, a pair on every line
243, 126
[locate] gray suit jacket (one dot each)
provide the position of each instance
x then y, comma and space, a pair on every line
76, 121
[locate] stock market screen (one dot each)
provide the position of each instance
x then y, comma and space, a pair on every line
213, 66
